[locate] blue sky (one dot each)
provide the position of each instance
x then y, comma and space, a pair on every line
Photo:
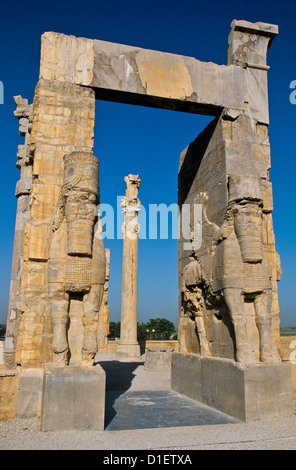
144, 141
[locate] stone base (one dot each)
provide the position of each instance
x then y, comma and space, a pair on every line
246, 392
8, 393
29, 393
73, 397
128, 351
158, 359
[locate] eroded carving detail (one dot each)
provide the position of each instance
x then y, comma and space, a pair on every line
77, 263
234, 269
24, 114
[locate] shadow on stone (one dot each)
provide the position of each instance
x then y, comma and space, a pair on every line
126, 408
119, 377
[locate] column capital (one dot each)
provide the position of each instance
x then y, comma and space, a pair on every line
248, 43
132, 184
131, 206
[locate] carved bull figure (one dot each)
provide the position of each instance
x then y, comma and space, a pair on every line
77, 263
233, 268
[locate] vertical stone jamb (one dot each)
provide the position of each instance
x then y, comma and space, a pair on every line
63, 122
128, 345
226, 169
24, 113
103, 320
248, 46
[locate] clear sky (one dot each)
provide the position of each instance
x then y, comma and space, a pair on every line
144, 141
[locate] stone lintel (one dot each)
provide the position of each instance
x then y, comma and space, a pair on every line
165, 80
134, 75
140, 76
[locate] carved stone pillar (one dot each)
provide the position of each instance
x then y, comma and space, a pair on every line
24, 114
128, 345
63, 122
103, 320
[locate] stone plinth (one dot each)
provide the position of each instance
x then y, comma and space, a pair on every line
73, 397
288, 352
128, 351
246, 392
158, 359
29, 393
8, 393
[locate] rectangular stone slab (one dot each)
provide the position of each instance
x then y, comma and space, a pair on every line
29, 393
160, 79
145, 77
246, 392
73, 397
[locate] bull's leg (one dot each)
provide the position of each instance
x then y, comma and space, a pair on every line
59, 308
234, 301
203, 340
91, 305
268, 349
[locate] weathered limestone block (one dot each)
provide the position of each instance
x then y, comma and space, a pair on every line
8, 393
288, 352
248, 44
35, 332
29, 393
158, 358
152, 77
166, 80
73, 397
248, 392
155, 78
66, 58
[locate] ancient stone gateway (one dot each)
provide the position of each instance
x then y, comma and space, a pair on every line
229, 339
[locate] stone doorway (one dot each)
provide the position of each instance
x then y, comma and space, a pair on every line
146, 141
228, 284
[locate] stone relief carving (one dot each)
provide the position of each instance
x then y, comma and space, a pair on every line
24, 114
233, 268
77, 262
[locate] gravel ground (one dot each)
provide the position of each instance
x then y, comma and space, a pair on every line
268, 435
272, 434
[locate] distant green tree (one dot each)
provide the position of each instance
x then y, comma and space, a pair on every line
163, 328
155, 329
141, 331
114, 329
